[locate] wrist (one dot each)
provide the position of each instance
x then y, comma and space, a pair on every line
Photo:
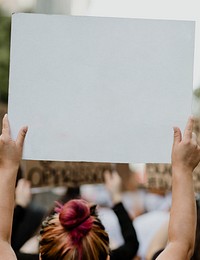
183, 169
116, 198
182, 174
9, 171
21, 203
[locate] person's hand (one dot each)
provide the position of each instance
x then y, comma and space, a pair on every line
11, 150
185, 150
23, 193
113, 184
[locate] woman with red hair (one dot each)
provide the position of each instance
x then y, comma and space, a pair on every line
76, 232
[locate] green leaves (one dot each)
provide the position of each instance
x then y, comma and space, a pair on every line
197, 92
5, 24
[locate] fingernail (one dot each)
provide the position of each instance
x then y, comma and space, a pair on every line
25, 129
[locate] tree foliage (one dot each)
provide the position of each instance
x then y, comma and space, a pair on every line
5, 28
197, 92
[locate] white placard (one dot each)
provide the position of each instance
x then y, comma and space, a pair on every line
154, 9
99, 89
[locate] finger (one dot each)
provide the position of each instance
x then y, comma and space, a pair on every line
189, 128
194, 137
115, 175
177, 135
107, 176
27, 184
195, 141
5, 125
115, 172
22, 182
21, 136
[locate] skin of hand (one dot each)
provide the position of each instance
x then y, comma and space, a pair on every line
113, 184
185, 150
11, 150
10, 157
183, 216
23, 193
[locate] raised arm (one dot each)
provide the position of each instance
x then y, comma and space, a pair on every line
130, 247
182, 225
10, 156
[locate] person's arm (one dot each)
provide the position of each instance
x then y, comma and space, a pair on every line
158, 241
10, 157
129, 249
182, 225
22, 200
23, 194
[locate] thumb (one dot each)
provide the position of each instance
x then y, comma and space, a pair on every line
21, 136
177, 135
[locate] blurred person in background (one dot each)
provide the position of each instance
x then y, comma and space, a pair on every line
22, 200
24, 214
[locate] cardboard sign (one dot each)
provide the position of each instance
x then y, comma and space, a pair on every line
48, 174
99, 89
69, 174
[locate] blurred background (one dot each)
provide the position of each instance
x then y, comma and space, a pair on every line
146, 188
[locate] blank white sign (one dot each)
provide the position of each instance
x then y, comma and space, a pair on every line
99, 89
154, 9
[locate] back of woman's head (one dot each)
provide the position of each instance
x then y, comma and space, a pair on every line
74, 233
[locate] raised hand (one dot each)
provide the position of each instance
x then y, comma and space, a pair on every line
183, 216
113, 184
11, 150
185, 150
23, 193
10, 157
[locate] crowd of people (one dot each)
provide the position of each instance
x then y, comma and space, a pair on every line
74, 230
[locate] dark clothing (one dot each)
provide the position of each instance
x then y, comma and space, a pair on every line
21, 256
130, 247
157, 254
18, 217
26, 221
